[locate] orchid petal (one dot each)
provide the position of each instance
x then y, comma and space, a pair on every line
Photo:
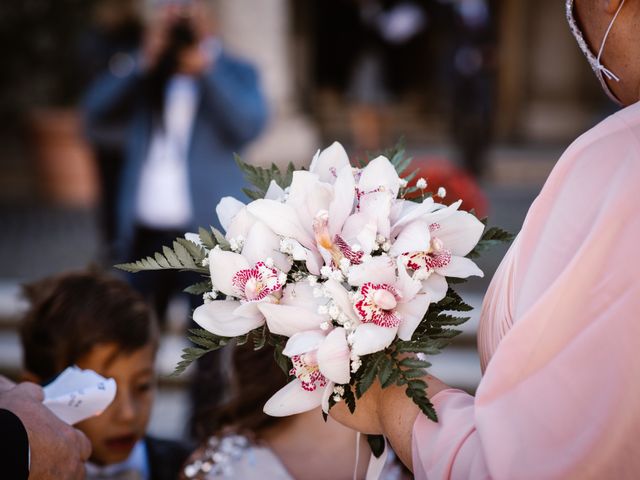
299, 294
240, 225
334, 356
460, 232
308, 196
407, 286
282, 219
436, 286
292, 399
412, 211
341, 298
344, 192
303, 342
218, 318
223, 266
261, 243
361, 229
380, 172
326, 395
376, 270
288, 320
329, 162
314, 262
378, 206
460, 267
412, 313
227, 209
248, 309
415, 237
274, 192
370, 338
442, 213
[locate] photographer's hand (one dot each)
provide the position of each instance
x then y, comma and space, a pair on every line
156, 37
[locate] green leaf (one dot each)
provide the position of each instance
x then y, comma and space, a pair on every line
349, 398
412, 362
184, 257
220, 240
206, 238
171, 257
145, 264
259, 337
282, 360
491, 237
199, 288
196, 251
386, 370
177, 259
369, 370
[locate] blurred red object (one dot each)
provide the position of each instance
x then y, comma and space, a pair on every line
439, 172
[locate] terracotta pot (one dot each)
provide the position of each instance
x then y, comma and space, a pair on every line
66, 168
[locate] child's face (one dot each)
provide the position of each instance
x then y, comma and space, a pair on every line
114, 433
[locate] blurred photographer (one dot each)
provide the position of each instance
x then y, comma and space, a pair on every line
185, 106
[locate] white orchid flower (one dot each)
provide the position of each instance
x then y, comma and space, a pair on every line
438, 243
389, 304
256, 276
320, 361
328, 162
297, 310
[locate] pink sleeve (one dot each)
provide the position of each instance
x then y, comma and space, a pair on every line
560, 398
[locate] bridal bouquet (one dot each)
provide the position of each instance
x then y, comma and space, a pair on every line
347, 279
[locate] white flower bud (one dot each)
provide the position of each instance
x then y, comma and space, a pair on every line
323, 310
325, 271
344, 264
337, 398
421, 183
386, 246
334, 312
312, 279
442, 192
325, 326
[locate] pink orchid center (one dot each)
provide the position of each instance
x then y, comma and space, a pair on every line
376, 303
253, 284
436, 257
305, 368
384, 300
337, 247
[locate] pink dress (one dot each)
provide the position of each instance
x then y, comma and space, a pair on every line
559, 335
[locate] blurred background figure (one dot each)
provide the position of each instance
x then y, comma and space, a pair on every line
186, 106
473, 78
383, 27
115, 31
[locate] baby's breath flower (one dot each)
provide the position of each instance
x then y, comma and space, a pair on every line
442, 192
421, 183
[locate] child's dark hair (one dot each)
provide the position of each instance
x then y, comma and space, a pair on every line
70, 313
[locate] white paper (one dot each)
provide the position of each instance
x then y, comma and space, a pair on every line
77, 394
